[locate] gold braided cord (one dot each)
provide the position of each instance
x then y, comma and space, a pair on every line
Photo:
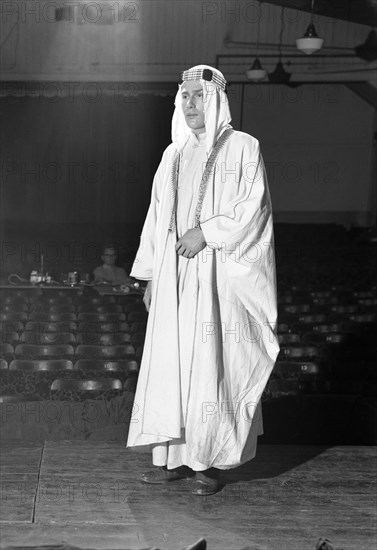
207, 171
174, 187
204, 181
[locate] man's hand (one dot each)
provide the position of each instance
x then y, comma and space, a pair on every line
190, 243
148, 295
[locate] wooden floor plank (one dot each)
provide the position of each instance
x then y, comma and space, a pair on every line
85, 456
103, 537
18, 492
84, 498
19, 467
20, 457
248, 515
287, 497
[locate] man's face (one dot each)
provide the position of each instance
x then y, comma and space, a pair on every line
193, 106
109, 256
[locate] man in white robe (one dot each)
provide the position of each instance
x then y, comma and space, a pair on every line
207, 251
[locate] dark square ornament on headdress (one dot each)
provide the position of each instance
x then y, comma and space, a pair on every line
207, 75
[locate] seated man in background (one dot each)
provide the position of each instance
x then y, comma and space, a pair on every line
108, 272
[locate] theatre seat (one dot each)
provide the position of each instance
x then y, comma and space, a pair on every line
69, 292
14, 306
299, 352
97, 300
3, 364
26, 295
53, 317
53, 308
101, 317
103, 339
325, 302
296, 308
286, 298
313, 318
283, 328
367, 302
128, 367
13, 316
365, 293
110, 308
289, 338
344, 309
9, 337
363, 318
99, 384
97, 326
293, 377
328, 338
89, 351
43, 337
11, 299
18, 398
6, 350
53, 351
56, 327
49, 365
11, 326
321, 294
97, 308
299, 368
326, 328
53, 300
103, 389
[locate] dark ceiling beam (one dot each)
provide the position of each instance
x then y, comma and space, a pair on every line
366, 91
363, 12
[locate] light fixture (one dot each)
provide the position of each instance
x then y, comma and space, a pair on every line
256, 73
279, 75
310, 42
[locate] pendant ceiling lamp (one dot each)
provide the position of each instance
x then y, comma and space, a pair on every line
310, 42
279, 75
256, 73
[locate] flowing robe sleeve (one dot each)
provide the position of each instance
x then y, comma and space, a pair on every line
143, 265
245, 214
242, 231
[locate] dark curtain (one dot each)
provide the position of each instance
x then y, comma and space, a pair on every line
78, 160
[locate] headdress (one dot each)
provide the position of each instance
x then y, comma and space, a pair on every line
208, 74
217, 115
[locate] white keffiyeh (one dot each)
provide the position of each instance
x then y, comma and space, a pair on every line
217, 115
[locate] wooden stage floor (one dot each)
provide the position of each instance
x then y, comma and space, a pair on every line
87, 494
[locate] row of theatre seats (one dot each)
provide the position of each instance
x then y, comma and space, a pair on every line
68, 345
327, 341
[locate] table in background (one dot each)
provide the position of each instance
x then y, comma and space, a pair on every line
115, 290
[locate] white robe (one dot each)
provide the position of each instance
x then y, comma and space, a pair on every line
210, 344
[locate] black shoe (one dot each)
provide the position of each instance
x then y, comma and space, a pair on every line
204, 485
161, 474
